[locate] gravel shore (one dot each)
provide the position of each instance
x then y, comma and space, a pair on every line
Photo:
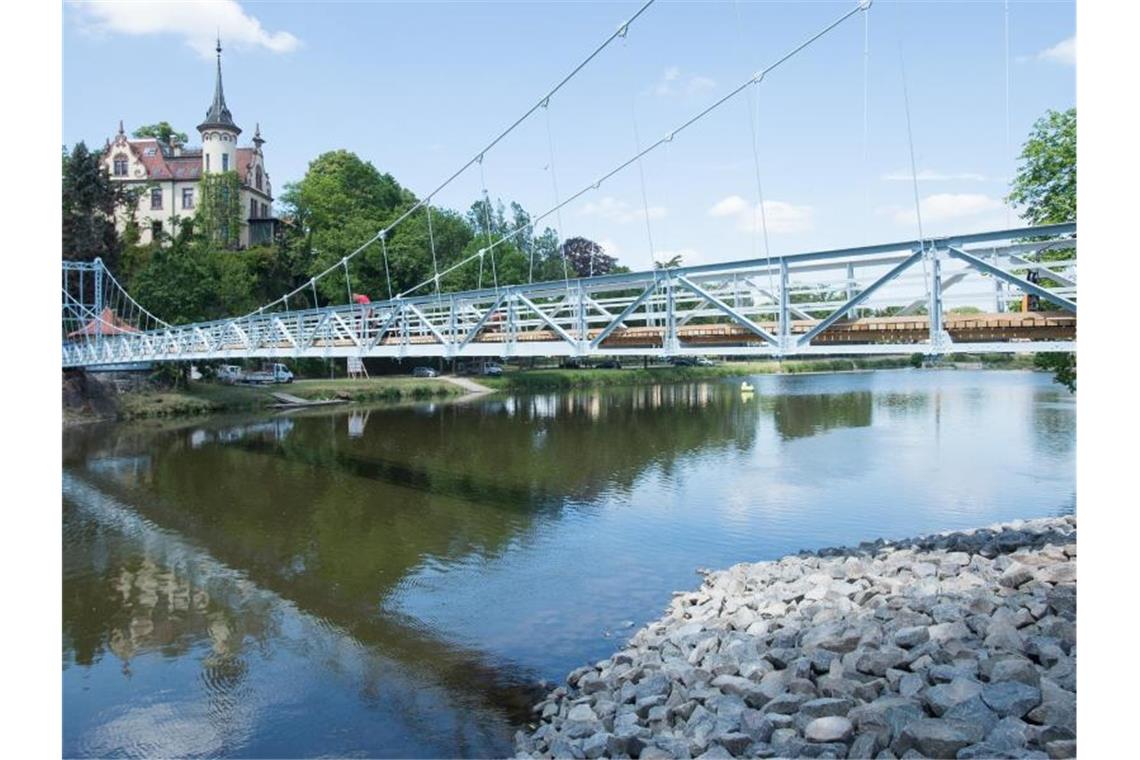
958, 645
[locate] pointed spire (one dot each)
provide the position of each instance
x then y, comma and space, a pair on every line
121, 132
219, 115
258, 141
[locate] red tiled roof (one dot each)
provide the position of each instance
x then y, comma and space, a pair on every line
161, 164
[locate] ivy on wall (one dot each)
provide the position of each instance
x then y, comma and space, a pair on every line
219, 208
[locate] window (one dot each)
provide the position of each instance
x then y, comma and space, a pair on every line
252, 208
258, 178
156, 198
120, 165
155, 230
187, 197
207, 162
264, 211
225, 162
150, 151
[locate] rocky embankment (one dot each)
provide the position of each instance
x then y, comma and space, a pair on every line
954, 645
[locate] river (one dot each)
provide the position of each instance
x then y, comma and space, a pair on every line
394, 581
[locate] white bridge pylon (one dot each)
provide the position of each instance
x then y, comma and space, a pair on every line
879, 299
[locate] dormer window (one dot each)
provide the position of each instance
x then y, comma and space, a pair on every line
150, 151
120, 166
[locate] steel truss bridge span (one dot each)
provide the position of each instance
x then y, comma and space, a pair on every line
878, 299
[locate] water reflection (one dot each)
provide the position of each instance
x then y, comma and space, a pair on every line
471, 548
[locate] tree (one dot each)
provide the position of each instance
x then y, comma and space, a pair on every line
1046, 186
1046, 181
674, 261
89, 200
586, 258
162, 131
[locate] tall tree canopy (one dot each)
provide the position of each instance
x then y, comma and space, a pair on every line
89, 198
163, 131
1046, 186
587, 258
1046, 181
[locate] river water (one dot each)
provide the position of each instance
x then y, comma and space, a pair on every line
393, 582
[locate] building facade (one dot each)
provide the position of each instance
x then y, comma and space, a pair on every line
167, 177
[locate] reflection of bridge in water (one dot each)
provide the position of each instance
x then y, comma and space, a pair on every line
808, 304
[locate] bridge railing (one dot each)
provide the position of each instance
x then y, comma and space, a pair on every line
887, 298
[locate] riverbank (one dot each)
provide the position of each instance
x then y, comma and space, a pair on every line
209, 398
540, 380
954, 645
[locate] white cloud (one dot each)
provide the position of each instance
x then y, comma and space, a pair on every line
944, 206
197, 22
929, 175
674, 82
1064, 52
610, 247
779, 216
614, 210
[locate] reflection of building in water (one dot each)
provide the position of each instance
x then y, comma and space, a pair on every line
132, 471
357, 420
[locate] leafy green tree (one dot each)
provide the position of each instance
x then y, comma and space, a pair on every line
1046, 186
219, 208
176, 285
162, 131
89, 200
1046, 181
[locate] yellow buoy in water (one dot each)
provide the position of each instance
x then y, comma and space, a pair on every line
745, 387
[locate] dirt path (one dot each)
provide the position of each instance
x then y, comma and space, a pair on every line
466, 384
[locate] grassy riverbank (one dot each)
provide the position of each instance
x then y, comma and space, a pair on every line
556, 379
208, 398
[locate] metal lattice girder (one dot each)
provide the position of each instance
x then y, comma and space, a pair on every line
1013, 279
736, 315
705, 309
851, 303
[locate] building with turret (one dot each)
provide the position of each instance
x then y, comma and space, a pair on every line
169, 178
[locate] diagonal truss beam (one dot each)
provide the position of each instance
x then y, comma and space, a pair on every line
1044, 271
423, 318
549, 321
854, 301
736, 315
483, 320
617, 321
1013, 279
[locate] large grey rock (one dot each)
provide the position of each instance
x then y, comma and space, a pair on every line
825, 706
973, 711
596, 745
878, 662
934, 737
749, 691
736, 743
942, 697
831, 728
582, 712
1011, 698
1014, 669
786, 703
1009, 734
911, 637
1058, 707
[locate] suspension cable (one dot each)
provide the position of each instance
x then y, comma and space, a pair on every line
434, 261
558, 229
914, 173
644, 193
487, 225
387, 274
863, 5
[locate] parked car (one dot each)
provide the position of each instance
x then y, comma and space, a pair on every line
683, 361
609, 364
228, 373
704, 361
424, 372
492, 370
575, 362
273, 373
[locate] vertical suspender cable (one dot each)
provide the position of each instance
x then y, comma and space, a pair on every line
1007, 138
557, 201
384, 251
487, 224
914, 173
434, 260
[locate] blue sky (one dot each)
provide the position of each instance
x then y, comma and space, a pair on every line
418, 88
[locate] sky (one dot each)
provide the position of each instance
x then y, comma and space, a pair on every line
419, 88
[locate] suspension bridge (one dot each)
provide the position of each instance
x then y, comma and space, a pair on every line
873, 299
